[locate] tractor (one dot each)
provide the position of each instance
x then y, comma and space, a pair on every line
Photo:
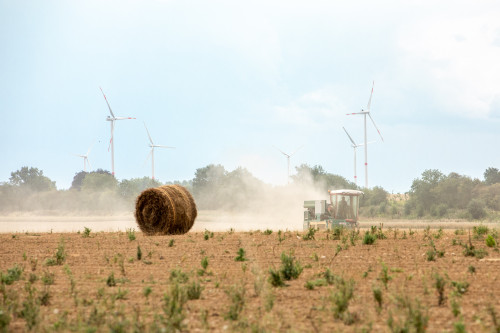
341, 211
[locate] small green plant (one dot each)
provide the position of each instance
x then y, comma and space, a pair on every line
177, 275
47, 278
193, 290
268, 232
237, 297
139, 253
86, 232
207, 234
204, 263
490, 241
369, 238
4, 320
460, 286
30, 311
241, 255
494, 319
290, 269
131, 234
471, 269
146, 291
173, 309
280, 239
384, 275
455, 307
121, 294
440, 284
275, 278
309, 235
171, 243
13, 274
111, 282
341, 297
59, 257
377, 295
459, 327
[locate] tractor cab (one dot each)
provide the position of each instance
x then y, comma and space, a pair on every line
342, 210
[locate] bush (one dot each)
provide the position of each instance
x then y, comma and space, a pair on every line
476, 209
369, 238
490, 241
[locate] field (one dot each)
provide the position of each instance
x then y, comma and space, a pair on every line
426, 279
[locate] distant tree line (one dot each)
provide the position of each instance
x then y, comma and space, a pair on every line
432, 195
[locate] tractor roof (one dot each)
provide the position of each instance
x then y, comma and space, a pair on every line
346, 192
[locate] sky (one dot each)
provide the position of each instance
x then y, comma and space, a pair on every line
229, 82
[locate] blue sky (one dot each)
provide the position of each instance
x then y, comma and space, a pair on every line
225, 81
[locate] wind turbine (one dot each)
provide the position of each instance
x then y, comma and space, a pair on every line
288, 160
152, 153
354, 146
111, 141
86, 159
365, 113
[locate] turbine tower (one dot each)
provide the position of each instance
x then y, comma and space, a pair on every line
111, 141
354, 146
152, 152
86, 159
288, 160
365, 113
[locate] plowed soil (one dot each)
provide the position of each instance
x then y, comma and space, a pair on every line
81, 300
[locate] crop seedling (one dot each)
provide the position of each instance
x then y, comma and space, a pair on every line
177, 275
47, 278
490, 241
439, 283
459, 327
241, 255
44, 298
377, 295
494, 319
309, 235
173, 309
86, 232
13, 274
207, 234
480, 230
384, 275
460, 286
290, 269
268, 232
31, 310
171, 243
414, 318
369, 238
341, 297
193, 290
121, 294
4, 320
280, 239
275, 278
60, 256
111, 282
237, 297
147, 291
131, 234
455, 307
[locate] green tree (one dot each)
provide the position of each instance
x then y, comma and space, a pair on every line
31, 178
491, 176
317, 176
133, 187
95, 181
76, 184
422, 189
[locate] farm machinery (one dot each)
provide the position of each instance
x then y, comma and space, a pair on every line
341, 211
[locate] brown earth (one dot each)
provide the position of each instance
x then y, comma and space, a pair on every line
92, 303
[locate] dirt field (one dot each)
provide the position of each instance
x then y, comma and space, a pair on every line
238, 295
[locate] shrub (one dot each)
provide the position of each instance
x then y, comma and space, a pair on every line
490, 241
275, 278
342, 297
131, 234
241, 255
13, 274
439, 283
289, 268
237, 296
369, 238
193, 290
476, 209
309, 235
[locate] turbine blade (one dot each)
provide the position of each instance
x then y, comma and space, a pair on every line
147, 157
151, 140
354, 143
370, 100
376, 127
160, 146
281, 151
109, 107
296, 150
92, 145
350, 114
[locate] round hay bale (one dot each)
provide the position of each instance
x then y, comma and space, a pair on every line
165, 210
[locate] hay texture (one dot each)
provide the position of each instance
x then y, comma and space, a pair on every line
165, 210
